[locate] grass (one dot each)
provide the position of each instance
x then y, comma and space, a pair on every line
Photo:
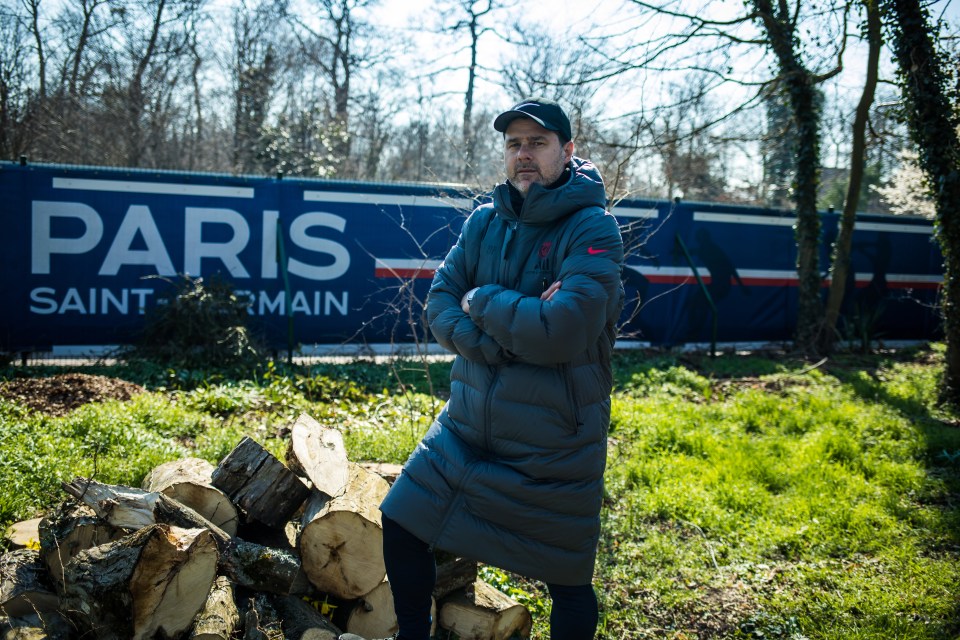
747, 497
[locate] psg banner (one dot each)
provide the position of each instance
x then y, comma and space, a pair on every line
89, 252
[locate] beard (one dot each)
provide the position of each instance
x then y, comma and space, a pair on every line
525, 174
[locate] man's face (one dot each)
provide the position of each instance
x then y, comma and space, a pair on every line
533, 154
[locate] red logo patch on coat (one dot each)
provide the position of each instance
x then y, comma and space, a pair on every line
545, 249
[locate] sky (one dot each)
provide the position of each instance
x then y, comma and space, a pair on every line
573, 17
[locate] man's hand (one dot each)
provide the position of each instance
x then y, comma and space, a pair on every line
552, 289
465, 300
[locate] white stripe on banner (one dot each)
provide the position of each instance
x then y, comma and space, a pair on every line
349, 197
779, 278
161, 188
892, 227
736, 218
633, 212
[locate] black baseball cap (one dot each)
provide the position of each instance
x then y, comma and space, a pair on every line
546, 113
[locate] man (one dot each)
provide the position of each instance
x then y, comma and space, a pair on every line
511, 472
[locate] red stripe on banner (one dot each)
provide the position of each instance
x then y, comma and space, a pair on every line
899, 284
384, 272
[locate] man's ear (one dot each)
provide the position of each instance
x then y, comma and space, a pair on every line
568, 150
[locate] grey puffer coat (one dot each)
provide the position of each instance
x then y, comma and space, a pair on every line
511, 472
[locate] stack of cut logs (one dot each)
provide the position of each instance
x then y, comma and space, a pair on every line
251, 549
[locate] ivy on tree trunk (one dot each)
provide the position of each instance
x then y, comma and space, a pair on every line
800, 84
933, 123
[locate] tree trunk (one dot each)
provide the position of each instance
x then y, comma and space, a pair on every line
318, 454
152, 582
260, 484
219, 617
933, 123
481, 612
23, 585
189, 481
800, 84
341, 539
841, 251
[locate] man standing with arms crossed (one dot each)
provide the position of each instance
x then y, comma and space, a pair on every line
511, 472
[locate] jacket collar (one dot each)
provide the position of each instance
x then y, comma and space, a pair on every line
583, 188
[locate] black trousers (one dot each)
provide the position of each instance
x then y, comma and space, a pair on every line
412, 572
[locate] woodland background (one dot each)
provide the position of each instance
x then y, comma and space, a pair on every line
669, 100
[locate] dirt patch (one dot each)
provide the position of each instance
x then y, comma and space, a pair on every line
61, 394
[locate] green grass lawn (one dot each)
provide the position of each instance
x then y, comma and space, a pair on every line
747, 496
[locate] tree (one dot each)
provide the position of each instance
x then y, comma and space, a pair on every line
339, 43
782, 25
840, 263
14, 87
255, 67
467, 15
933, 122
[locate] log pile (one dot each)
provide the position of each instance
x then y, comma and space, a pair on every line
253, 548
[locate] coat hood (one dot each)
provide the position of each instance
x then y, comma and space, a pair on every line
584, 188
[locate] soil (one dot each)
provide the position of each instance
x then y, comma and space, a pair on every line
61, 394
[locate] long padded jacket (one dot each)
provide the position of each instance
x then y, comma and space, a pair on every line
511, 472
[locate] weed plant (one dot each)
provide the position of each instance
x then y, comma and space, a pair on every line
746, 496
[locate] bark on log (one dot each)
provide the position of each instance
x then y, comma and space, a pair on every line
261, 622
149, 583
247, 564
44, 626
24, 589
300, 621
68, 531
318, 454
453, 573
481, 612
189, 481
24, 534
219, 617
265, 568
260, 484
341, 541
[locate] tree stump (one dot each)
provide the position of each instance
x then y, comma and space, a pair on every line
149, 583
318, 454
219, 617
189, 482
260, 484
341, 540
481, 612
23, 586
